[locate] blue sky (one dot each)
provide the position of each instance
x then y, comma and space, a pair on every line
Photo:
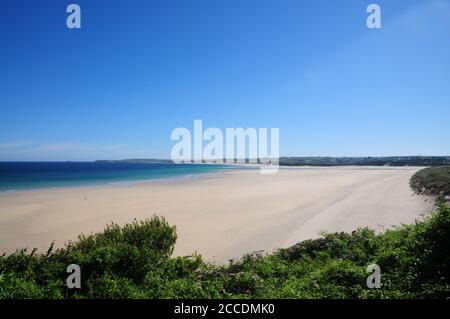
136, 70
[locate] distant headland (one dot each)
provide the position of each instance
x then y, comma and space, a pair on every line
329, 161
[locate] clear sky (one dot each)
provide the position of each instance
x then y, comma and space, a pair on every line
136, 70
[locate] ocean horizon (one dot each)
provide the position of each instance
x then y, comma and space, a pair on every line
17, 176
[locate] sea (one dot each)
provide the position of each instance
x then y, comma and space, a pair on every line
16, 176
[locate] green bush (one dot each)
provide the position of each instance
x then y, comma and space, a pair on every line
432, 181
134, 261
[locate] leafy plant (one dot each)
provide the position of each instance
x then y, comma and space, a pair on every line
134, 261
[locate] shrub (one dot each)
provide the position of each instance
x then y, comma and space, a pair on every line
134, 261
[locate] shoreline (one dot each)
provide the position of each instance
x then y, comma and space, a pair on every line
221, 215
123, 183
132, 182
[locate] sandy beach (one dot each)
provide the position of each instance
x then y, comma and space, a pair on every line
224, 215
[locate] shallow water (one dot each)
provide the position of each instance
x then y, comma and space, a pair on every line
32, 175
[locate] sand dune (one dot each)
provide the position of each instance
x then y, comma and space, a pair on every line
221, 216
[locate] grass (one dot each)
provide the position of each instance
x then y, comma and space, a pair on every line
432, 181
134, 261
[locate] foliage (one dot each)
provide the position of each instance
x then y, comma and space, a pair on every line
432, 181
134, 261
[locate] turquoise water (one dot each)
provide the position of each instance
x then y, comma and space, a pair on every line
33, 175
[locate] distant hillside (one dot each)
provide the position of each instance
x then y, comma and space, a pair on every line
327, 161
370, 161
